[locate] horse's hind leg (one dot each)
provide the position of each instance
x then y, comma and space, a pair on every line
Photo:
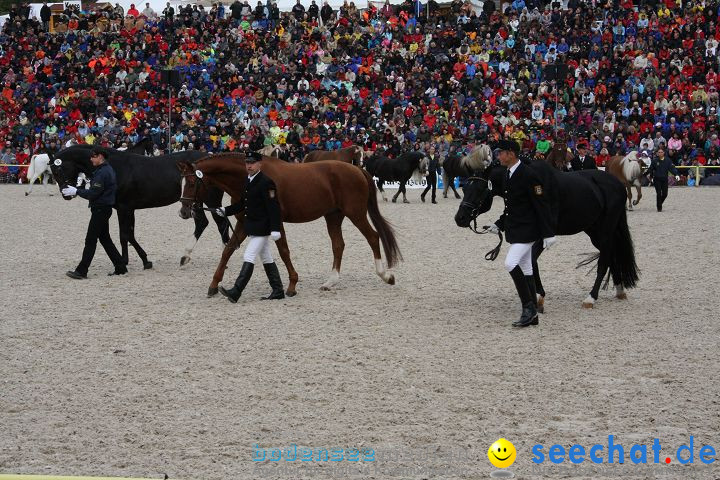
334, 226
235, 240
446, 184
619, 290
537, 250
373, 239
284, 251
131, 238
602, 268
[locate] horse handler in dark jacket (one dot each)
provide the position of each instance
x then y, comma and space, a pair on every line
262, 223
101, 197
526, 220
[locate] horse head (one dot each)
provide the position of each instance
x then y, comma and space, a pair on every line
194, 188
67, 165
479, 158
559, 155
359, 157
477, 197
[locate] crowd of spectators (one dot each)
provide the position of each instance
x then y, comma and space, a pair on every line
641, 74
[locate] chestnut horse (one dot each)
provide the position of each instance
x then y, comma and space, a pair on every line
352, 155
628, 170
306, 192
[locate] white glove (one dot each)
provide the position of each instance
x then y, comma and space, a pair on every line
275, 236
492, 228
220, 212
69, 191
549, 242
677, 178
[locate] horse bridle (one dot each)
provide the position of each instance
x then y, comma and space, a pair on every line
475, 212
197, 204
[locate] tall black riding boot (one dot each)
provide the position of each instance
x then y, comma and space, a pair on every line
275, 282
529, 313
530, 279
240, 283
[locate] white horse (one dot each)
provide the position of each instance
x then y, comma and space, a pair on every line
270, 151
478, 159
628, 170
39, 166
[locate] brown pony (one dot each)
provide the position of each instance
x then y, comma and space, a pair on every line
352, 155
559, 156
306, 192
628, 170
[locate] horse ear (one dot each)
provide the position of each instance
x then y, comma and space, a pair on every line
184, 166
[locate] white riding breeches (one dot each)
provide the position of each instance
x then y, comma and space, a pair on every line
520, 254
258, 246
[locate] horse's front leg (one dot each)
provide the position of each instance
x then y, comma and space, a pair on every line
131, 238
201, 222
284, 251
446, 184
402, 189
236, 239
334, 227
124, 224
214, 200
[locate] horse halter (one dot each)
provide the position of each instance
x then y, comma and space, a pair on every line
475, 212
198, 174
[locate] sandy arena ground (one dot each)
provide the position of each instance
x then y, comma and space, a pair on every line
143, 375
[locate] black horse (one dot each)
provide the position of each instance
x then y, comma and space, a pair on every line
589, 201
398, 169
143, 182
453, 167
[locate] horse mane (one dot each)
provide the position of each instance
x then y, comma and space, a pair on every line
478, 158
423, 164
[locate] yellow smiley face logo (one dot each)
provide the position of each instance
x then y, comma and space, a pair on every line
502, 453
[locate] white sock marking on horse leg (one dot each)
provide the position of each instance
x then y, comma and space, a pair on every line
620, 292
589, 302
332, 280
380, 270
190, 246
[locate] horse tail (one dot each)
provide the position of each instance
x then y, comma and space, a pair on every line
383, 227
623, 254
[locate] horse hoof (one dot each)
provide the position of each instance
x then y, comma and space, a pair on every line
406, 201
635, 202
147, 265
621, 296
541, 304
588, 305
394, 200
391, 280
324, 289
212, 291
184, 260
290, 294
444, 196
26, 194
